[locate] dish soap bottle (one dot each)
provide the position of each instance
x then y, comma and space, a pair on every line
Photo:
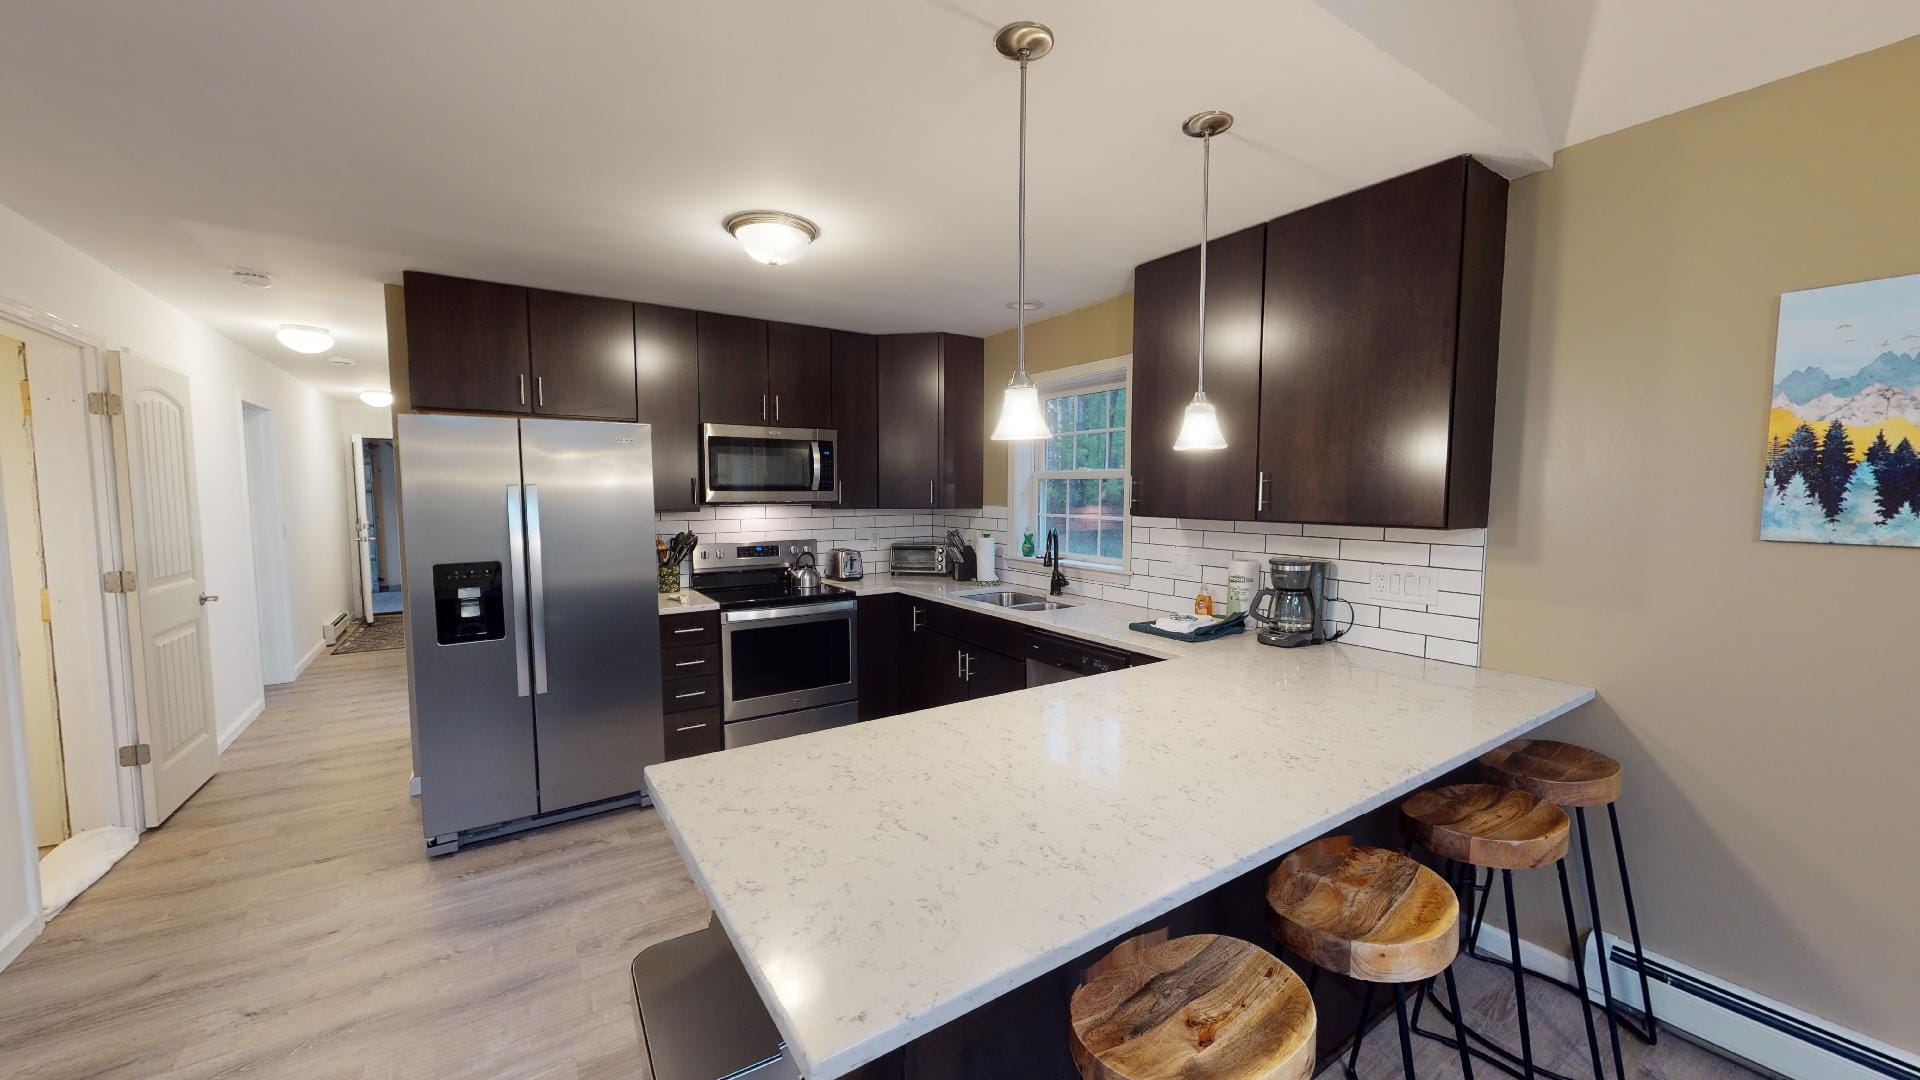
1203, 603
1026, 544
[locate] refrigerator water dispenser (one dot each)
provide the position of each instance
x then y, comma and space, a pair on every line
467, 603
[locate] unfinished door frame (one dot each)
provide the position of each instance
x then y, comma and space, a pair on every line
96, 693
266, 507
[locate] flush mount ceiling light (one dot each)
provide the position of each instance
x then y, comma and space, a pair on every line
304, 339
1020, 414
772, 236
379, 399
1200, 427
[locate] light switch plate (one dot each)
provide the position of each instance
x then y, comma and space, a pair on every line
1402, 585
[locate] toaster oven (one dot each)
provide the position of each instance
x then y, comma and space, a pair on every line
918, 559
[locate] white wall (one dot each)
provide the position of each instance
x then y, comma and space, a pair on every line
43, 272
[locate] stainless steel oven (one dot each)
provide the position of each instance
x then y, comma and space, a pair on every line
788, 669
768, 464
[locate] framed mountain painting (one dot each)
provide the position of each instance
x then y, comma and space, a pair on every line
1843, 437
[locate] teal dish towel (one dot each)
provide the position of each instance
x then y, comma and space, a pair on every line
1232, 624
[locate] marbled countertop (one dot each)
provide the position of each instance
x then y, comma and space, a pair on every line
881, 879
685, 601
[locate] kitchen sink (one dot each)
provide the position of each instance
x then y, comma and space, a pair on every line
1018, 601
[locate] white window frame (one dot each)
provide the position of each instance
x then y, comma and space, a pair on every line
1024, 471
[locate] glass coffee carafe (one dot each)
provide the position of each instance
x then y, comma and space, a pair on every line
1293, 610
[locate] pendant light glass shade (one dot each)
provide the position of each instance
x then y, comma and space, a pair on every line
1021, 417
1200, 427
1020, 414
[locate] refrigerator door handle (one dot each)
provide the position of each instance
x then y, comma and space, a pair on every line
536, 590
517, 567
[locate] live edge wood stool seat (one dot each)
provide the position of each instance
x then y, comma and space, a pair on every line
1504, 829
1202, 1007
1368, 914
1576, 778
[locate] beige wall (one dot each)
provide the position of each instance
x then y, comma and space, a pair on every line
1761, 695
1077, 337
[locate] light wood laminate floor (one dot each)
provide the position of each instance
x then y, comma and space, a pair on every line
286, 923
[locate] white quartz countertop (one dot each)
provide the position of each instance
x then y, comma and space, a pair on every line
686, 600
881, 879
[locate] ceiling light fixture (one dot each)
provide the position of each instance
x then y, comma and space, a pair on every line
1020, 414
379, 399
304, 339
773, 237
1200, 427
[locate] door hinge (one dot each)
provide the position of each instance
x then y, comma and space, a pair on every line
103, 404
137, 754
117, 581
46, 605
26, 399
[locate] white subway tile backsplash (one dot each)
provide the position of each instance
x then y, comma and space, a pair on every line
1306, 547
1453, 652
1374, 637
1465, 605
1422, 622
1469, 537
1179, 538
1460, 581
1269, 527
1344, 532
1458, 557
1384, 551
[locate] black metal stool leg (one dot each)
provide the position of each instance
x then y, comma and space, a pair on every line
1359, 1033
1406, 1036
1652, 1034
1480, 917
1599, 943
1580, 972
1519, 978
1460, 1027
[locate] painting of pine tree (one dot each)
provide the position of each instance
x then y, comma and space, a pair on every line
1841, 463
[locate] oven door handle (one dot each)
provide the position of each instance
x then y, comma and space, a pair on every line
796, 612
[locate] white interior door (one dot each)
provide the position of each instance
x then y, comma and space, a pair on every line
166, 609
362, 533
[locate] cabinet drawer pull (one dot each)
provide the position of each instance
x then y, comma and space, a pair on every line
688, 694
688, 663
693, 727
690, 630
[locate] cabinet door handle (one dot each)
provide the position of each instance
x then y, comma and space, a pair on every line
1260, 493
690, 694
694, 727
776, 406
522, 380
540, 390
915, 615
693, 490
763, 406
689, 663
968, 672
959, 664
1136, 490
690, 630
929, 493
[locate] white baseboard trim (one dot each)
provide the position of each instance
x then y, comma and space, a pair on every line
1732, 1020
15, 941
239, 727
313, 654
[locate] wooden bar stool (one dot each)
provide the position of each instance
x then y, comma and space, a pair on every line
1576, 777
1372, 915
1483, 825
1202, 1006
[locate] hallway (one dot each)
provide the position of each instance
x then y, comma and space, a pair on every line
285, 923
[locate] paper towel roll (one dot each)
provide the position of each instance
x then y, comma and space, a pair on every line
983, 557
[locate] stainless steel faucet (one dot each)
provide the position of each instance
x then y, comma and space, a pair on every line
1058, 583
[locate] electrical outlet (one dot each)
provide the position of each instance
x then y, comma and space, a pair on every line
1401, 585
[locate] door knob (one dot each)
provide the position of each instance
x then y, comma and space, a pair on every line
205, 599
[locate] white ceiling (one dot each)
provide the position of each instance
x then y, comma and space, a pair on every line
595, 145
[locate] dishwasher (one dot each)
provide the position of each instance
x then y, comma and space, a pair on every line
1053, 658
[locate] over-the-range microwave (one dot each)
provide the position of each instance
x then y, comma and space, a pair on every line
744, 464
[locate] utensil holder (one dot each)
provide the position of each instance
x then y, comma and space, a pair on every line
670, 580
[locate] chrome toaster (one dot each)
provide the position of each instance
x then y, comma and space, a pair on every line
843, 564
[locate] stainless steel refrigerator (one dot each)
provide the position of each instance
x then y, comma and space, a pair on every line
533, 634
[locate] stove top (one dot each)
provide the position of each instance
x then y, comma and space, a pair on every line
781, 594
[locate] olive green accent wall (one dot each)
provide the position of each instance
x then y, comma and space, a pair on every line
1091, 333
1761, 696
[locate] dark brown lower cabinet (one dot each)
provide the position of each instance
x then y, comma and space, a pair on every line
694, 732
879, 645
990, 673
948, 655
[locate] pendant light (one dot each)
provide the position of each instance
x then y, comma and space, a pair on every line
1200, 427
1020, 413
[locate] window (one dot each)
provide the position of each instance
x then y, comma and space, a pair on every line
1075, 484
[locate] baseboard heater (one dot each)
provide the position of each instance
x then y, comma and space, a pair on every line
330, 633
1774, 1036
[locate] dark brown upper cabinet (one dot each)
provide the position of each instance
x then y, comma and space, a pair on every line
1379, 351
666, 368
733, 370
582, 352
962, 420
931, 420
856, 419
1166, 323
799, 376
467, 345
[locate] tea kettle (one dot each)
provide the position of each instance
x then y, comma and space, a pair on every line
804, 574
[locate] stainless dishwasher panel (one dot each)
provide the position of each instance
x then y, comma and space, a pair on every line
594, 607
460, 502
